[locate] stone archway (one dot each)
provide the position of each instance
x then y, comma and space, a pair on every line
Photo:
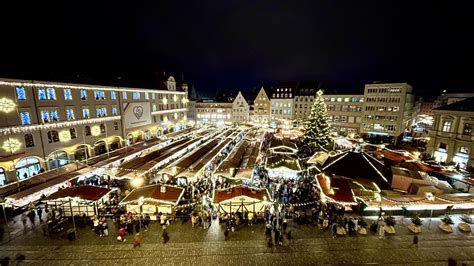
57, 159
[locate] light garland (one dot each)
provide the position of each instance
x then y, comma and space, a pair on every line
169, 111
86, 87
373, 166
29, 128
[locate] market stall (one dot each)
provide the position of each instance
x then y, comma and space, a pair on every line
153, 199
79, 200
282, 165
241, 199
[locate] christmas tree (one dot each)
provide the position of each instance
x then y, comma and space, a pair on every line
317, 127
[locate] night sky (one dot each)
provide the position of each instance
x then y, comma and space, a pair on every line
239, 45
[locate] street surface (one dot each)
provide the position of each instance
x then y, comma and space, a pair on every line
245, 246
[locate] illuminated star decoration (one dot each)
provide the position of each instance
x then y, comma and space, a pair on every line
11, 145
7, 105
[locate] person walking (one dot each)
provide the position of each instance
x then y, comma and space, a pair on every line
24, 220
165, 236
121, 234
39, 211
137, 240
32, 215
415, 241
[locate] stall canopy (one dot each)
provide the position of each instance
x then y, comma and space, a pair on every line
90, 193
249, 161
283, 165
337, 189
241, 198
154, 194
357, 165
228, 168
283, 146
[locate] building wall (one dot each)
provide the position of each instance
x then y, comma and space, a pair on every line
261, 112
72, 133
345, 112
302, 107
213, 113
387, 109
451, 138
240, 110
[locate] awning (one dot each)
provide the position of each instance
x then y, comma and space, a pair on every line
154, 194
89, 193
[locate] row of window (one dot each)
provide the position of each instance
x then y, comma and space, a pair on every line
467, 128
214, 116
346, 99
311, 98
344, 119
48, 116
283, 95
462, 149
383, 108
383, 100
384, 90
381, 117
345, 108
280, 111
50, 94
380, 127
276, 104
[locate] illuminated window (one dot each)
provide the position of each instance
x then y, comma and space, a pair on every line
54, 116
463, 149
3, 177
73, 133
113, 95
83, 94
20, 93
447, 126
136, 95
51, 94
41, 94
124, 95
467, 130
85, 113
53, 136
102, 128
147, 96
25, 118
67, 94
114, 110
70, 114
45, 116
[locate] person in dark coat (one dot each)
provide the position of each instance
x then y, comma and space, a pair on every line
32, 216
165, 236
415, 241
129, 227
277, 235
334, 230
39, 211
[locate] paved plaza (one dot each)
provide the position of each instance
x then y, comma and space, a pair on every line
245, 246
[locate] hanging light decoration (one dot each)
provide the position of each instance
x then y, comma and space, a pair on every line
7, 105
11, 145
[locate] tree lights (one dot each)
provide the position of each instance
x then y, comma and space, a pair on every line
317, 127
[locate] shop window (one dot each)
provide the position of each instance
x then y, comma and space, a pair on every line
29, 141
20, 93
463, 149
3, 177
447, 126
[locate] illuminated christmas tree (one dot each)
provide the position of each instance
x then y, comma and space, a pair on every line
317, 127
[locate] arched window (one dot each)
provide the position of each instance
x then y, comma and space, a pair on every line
29, 141
87, 129
27, 168
102, 128
53, 136
3, 177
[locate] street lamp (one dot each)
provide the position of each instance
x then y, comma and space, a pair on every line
137, 182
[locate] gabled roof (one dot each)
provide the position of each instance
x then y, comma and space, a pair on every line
280, 160
153, 194
466, 105
357, 165
239, 191
90, 193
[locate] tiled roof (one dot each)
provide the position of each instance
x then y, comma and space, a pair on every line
82, 192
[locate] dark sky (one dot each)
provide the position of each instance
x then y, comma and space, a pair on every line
232, 45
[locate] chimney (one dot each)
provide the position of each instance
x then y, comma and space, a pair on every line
163, 189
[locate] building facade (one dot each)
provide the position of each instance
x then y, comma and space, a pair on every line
261, 109
304, 99
452, 135
387, 109
209, 112
282, 103
345, 112
50, 124
240, 110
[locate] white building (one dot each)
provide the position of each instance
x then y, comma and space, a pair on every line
261, 111
240, 110
452, 135
345, 112
282, 103
387, 108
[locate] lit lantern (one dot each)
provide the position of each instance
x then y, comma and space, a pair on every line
11, 145
175, 98
65, 136
95, 130
7, 105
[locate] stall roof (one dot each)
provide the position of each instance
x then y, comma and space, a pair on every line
58, 180
357, 165
153, 193
90, 193
239, 191
281, 160
393, 155
283, 146
339, 189
247, 164
233, 160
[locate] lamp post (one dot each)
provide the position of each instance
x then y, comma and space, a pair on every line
72, 214
140, 204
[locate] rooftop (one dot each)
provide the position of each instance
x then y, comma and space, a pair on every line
466, 105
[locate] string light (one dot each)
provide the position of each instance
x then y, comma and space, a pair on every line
169, 111
29, 128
